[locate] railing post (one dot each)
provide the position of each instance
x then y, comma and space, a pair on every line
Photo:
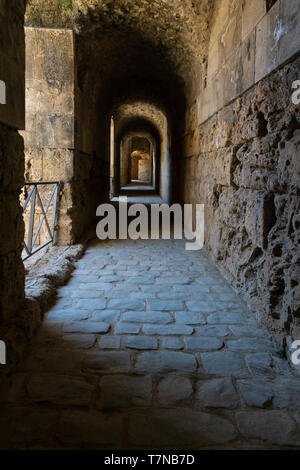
31, 219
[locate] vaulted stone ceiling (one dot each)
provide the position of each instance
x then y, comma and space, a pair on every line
145, 48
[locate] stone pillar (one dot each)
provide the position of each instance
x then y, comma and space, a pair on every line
135, 167
145, 171
49, 134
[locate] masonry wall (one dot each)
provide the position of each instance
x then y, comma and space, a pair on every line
49, 135
14, 320
242, 149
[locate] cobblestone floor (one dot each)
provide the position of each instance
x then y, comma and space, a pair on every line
148, 347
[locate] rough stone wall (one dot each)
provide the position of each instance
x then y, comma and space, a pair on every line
247, 173
144, 173
16, 320
49, 134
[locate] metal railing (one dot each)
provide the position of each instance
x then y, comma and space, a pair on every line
32, 195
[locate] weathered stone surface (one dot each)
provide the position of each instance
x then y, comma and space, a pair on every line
172, 343
200, 306
86, 327
109, 342
202, 344
167, 330
275, 427
71, 315
216, 393
126, 304
122, 391
250, 344
190, 318
178, 428
59, 390
90, 304
81, 341
83, 427
165, 361
165, 305
218, 330
140, 342
147, 317
174, 389
112, 361
127, 328
223, 363
281, 392
108, 316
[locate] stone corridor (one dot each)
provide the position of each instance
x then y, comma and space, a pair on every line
148, 347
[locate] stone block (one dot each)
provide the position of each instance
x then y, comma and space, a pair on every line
166, 330
177, 428
202, 343
59, 390
147, 317
122, 391
174, 389
216, 393
275, 427
165, 361
140, 342
224, 363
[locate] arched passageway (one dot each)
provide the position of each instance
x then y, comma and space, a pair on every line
148, 345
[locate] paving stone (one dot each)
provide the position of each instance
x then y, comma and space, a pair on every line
87, 294
89, 427
91, 304
173, 389
140, 342
86, 327
70, 315
116, 293
275, 427
169, 305
218, 330
109, 342
165, 361
250, 344
173, 295
255, 331
172, 343
153, 288
127, 328
124, 304
140, 280
80, 341
123, 391
224, 363
177, 428
20, 425
190, 318
147, 317
199, 343
95, 286
59, 390
113, 278
108, 316
171, 280
107, 361
200, 306
282, 392
216, 393
142, 295
226, 318
167, 330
